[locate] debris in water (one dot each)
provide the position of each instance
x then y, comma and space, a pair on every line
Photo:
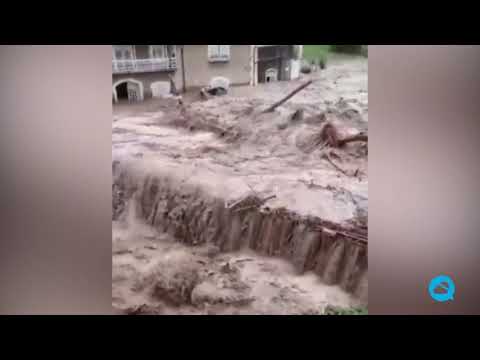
182, 246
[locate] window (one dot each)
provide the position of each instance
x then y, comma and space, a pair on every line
158, 51
218, 53
171, 51
122, 52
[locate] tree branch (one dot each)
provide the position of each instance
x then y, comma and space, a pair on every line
278, 103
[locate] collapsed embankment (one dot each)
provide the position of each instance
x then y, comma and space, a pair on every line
336, 253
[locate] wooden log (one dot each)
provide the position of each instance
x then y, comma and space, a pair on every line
357, 137
278, 103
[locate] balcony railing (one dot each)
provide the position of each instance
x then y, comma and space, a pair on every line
143, 65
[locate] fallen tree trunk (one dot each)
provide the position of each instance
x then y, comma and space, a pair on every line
278, 103
357, 137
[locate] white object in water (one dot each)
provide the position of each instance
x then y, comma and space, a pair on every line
295, 69
219, 82
160, 88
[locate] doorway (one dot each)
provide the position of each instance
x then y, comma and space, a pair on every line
128, 89
122, 91
271, 75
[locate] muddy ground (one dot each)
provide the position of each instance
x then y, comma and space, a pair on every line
226, 147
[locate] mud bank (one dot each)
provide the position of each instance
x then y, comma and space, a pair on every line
194, 216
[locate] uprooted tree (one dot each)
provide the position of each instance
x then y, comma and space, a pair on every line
329, 135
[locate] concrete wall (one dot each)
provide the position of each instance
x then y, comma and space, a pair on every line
199, 71
145, 78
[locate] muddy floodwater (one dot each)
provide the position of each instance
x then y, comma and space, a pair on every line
219, 208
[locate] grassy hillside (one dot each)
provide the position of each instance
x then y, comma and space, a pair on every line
315, 52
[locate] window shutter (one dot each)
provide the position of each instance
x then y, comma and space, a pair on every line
218, 52
158, 51
224, 51
212, 51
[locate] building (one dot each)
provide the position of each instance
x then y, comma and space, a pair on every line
276, 62
143, 71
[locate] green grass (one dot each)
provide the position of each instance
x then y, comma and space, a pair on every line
315, 52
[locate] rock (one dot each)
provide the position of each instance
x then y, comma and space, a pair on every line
171, 281
143, 309
226, 269
212, 251
208, 293
140, 256
306, 69
122, 251
297, 115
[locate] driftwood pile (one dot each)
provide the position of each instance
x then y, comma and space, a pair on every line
328, 135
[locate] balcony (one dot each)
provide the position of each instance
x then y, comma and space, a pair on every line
143, 65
